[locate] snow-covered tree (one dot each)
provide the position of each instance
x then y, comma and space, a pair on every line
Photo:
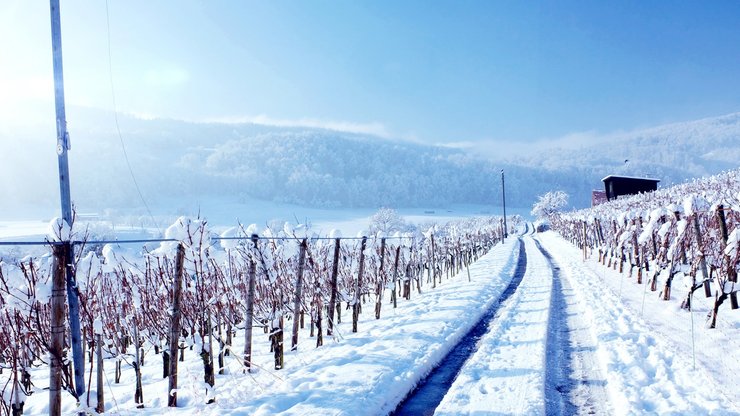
549, 203
387, 220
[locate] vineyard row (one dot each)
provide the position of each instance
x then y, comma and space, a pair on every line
193, 294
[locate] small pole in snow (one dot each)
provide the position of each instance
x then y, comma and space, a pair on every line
503, 194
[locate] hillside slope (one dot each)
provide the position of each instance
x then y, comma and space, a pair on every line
322, 168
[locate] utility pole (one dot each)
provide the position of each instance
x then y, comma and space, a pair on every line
503, 194
62, 151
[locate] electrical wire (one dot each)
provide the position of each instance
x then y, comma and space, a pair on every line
118, 127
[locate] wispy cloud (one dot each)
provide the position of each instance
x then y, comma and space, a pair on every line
375, 128
505, 149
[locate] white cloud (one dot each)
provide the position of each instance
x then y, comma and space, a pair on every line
499, 149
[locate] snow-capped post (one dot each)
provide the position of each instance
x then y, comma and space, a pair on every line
358, 286
381, 280
636, 248
175, 325
276, 335
409, 273
139, 389
585, 238
722, 222
98, 329
298, 292
249, 318
394, 292
334, 274
466, 260
432, 265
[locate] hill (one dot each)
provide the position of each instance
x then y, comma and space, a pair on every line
178, 160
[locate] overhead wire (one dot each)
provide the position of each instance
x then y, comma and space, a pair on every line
118, 127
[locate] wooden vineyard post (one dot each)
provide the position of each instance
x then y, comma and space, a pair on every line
298, 291
333, 296
671, 271
249, 318
409, 274
432, 266
636, 250
206, 356
394, 292
358, 286
381, 280
719, 298
139, 389
277, 341
100, 408
175, 325
702, 259
466, 258
57, 330
585, 249
732, 275
319, 305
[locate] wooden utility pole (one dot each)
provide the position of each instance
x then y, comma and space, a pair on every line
62, 151
503, 195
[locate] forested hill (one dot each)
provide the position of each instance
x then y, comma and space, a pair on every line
175, 159
673, 153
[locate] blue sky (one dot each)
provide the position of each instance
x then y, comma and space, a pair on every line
432, 71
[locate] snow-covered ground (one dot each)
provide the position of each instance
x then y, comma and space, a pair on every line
640, 352
643, 357
505, 375
646, 347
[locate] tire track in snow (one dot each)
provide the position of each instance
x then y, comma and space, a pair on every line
424, 399
573, 382
649, 371
506, 376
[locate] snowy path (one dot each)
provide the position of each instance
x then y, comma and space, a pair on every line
574, 383
427, 395
506, 375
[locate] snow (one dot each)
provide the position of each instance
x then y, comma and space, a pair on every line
364, 373
59, 230
505, 375
645, 349
650, 357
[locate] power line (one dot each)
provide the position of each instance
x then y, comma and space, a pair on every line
118, 127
